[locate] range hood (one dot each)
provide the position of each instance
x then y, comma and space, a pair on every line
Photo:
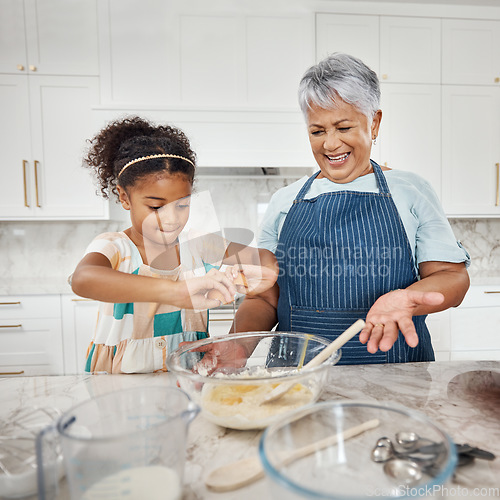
255, 172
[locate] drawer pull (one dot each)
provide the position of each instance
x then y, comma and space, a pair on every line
12, 373
493, 291
26, 204
36, 185
220, 319
11, 326
82, 300
9, 303
497, 201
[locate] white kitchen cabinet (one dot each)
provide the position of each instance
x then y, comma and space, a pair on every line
31, 340
357, 35
189, 55
44, 124
49, 37
410, 49
409, 139
439, 329
475, 325
471, 52
398, 49
219, 322
79, 317
471, 150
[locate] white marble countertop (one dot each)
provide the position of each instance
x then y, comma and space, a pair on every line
463, 397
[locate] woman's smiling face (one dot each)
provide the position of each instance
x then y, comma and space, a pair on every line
341, 140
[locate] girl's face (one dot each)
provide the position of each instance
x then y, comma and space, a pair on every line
341, 141
159, 207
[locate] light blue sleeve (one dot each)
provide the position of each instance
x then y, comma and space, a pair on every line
270, 227
434, 239
276, 213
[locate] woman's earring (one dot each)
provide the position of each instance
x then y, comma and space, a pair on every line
375, 140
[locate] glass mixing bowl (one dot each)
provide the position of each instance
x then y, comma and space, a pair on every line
229, 376
310, 453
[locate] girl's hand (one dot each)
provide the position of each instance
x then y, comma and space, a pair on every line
392, 313
194, 293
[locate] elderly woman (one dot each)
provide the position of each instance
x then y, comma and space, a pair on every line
356, 240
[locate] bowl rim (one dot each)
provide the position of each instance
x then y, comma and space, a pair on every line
294, 374
290, 485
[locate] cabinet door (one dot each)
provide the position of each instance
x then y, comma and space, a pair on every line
12, 39
439, 328
410, 132
352, 34
475, 329
219, 322
62, 37
471, 150
33, 344
471, 52
410, 49
61, 123
79, 318
16, 188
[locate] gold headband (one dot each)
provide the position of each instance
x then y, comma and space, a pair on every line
142, 158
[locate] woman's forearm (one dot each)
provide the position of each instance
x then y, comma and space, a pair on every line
452, 280
257, 312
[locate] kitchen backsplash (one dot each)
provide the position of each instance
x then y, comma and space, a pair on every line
51, 249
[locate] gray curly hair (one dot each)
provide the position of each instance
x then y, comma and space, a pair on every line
344, 76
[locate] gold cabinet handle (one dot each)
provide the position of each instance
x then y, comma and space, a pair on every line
497, 79
36, 184
12, 373
497, 202
82, 300
20, 67
493, 291
9, 303
384, 77
11, 326
32, 68
26, 204
220, 319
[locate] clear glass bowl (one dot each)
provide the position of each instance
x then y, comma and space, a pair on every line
345, 470
229, 376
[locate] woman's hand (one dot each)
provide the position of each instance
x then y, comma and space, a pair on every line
393, 312
251, 279
219, 356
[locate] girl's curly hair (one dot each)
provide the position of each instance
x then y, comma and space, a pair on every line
133, 137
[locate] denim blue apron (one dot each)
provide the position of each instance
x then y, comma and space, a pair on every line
339, 252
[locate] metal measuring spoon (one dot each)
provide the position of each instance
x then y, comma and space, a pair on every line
404, 472
384, 451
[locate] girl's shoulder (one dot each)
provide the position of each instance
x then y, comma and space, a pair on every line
117, 247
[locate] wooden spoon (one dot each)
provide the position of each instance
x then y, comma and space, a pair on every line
284, 387
238, 474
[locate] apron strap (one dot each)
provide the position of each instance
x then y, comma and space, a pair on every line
380, 177
305, 188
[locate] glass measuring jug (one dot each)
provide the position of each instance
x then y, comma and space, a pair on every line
125, 445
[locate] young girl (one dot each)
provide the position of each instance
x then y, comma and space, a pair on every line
154, 281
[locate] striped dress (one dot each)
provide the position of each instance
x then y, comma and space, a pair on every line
128, 337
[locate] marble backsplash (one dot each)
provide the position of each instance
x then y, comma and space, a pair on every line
51, 249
